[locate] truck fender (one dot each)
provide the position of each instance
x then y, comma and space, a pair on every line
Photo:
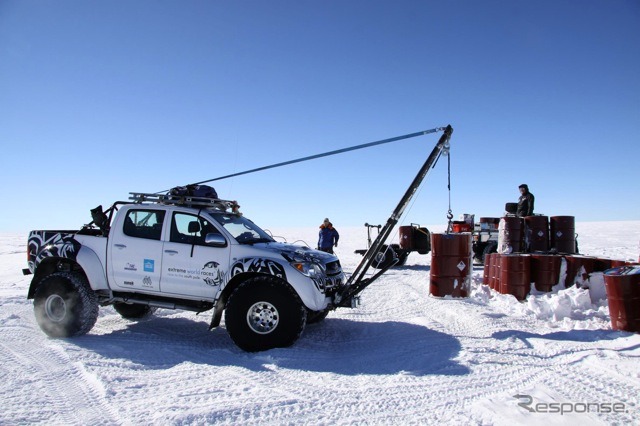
93, 268
221, 302
311, 297
86, 260
308, 294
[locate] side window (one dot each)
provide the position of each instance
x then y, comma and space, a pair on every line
190, 229
144, 224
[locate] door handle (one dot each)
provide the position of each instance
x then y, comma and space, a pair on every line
120, 246
171, 252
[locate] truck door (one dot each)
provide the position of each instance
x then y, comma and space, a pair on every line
135, 250
190, 267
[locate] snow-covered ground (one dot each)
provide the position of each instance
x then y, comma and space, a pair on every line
401, 358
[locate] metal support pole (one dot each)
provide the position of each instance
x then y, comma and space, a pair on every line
357, 282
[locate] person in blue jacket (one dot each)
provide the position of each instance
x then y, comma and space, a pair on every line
328, 238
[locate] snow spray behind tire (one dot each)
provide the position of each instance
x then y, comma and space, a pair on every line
623, 295
451, 263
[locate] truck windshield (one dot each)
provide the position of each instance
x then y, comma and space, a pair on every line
242, 229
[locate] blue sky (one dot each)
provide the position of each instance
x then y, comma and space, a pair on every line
98, 99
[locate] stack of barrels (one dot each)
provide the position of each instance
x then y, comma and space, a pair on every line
530, 253
524, 254
537, 234
515, 273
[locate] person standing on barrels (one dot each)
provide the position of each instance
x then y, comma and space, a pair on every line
525, 202
328, 237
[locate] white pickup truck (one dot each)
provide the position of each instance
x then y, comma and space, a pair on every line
181, 253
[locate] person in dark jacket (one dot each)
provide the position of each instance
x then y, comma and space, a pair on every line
328, 237
525, 202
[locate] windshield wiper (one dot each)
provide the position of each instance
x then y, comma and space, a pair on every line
259, 240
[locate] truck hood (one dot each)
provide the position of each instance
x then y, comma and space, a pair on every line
298, 253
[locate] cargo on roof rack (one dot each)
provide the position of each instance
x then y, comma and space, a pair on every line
185, 200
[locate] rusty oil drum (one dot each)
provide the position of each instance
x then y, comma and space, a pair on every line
545, 271
486, 272
451, 264
414, 238
617, 263
511, 235
536, 233
601, 264
623, 296
579, 268
562, 234
494, 278
515, 275
491, 273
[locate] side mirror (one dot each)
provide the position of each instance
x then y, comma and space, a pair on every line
215, 240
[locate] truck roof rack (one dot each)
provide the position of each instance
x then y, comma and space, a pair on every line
185, 200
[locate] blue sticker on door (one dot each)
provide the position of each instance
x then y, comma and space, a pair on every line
149, 265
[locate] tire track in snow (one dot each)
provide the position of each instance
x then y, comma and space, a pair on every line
519, 364
54, 380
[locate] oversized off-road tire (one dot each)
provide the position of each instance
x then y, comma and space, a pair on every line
133, 311
491, 247
314, 317
402, 258
264, 313
384, 258
65, 305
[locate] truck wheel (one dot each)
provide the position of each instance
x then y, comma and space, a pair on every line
478, 251
133, 311
316, 316
384, 258
65, 305
402, 258
264, 313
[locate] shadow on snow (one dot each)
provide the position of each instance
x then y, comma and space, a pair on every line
581, 336
336, 345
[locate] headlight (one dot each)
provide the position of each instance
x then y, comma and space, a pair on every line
308, 269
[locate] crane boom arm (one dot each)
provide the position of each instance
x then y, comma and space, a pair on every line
357, 281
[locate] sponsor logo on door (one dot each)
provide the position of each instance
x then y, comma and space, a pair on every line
149, 265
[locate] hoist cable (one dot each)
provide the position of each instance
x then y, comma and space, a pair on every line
326, 154
449, 212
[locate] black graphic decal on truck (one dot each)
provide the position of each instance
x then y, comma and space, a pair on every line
213, 275
258, 265
51, 244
